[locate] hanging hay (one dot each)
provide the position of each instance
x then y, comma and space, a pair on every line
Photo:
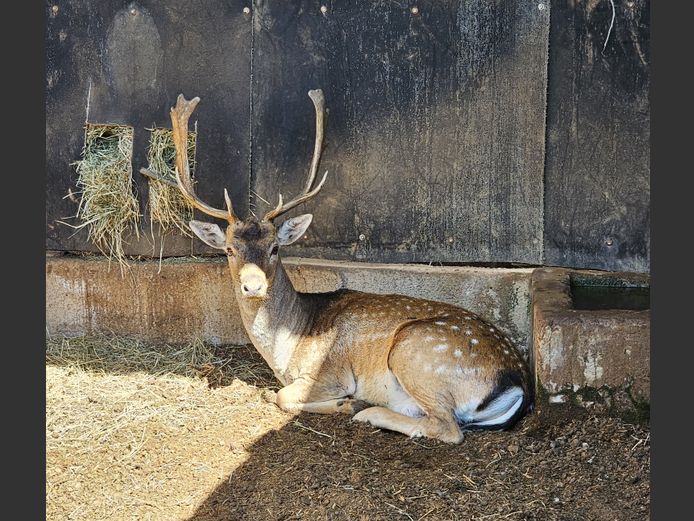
167, 206
108, 205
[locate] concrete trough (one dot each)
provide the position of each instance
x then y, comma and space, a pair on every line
591, 338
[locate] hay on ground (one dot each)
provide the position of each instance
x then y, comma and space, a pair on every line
108, 206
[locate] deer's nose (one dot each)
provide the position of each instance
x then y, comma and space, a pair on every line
253, 281
253, 289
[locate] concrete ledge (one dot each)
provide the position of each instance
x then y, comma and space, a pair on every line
189, 298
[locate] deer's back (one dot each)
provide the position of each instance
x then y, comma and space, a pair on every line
356, 331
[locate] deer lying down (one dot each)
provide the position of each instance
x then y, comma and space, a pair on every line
410, 365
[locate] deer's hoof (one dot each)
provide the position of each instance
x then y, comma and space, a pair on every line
269, 396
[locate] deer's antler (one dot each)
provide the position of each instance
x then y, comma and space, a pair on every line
319, 104
179, 124
180, 114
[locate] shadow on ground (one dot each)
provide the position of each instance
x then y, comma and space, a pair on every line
561, 467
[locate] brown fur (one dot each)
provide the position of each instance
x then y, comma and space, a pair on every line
414, 361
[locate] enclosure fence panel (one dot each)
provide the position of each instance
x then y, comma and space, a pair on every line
435, 135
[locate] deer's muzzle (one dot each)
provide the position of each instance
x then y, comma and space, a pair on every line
253, 281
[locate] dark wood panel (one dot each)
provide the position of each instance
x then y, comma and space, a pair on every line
124, 63
435, 133
598, 151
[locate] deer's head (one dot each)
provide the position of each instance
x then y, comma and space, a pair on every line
252, 248
251, 245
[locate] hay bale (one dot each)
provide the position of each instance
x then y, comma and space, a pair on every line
108, 206
167, 205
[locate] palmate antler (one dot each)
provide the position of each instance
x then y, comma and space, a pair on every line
180, 114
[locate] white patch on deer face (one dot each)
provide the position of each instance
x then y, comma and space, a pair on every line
440, 348
474, 341
253, 281
457, 353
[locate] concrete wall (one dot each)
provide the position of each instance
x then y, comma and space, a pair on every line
186, 298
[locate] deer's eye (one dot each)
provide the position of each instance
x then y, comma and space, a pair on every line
274, 250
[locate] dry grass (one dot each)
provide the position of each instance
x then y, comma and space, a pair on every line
122, 355
135, 431
108, 206
167, 206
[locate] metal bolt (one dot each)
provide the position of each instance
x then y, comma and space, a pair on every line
541, 7
450, 240
246, 10
609, 241
362, 236
414, 10
324, 9
133, 12
55, 9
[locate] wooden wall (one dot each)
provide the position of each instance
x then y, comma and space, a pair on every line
474, 131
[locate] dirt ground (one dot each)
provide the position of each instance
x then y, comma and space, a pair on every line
147, 432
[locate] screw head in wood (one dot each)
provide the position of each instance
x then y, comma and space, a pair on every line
414, 10
246, 10
541, 7
324, 9
362, 237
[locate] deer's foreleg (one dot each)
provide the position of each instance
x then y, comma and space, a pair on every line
301, 395
443, 429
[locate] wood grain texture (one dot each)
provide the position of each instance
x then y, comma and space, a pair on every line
435, 128
597, 178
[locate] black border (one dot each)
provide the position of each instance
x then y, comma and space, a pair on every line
671, 342
24, 81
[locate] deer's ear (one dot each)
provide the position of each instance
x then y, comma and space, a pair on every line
293, 228
209, 234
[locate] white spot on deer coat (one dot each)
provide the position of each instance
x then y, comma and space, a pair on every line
440, 348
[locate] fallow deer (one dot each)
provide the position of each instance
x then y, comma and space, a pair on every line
405, 364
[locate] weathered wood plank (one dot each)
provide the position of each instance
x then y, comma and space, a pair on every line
598, 151
127, 62
435, 133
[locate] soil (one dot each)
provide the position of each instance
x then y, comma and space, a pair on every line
138, 445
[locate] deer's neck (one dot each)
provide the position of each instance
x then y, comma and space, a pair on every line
276, 324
